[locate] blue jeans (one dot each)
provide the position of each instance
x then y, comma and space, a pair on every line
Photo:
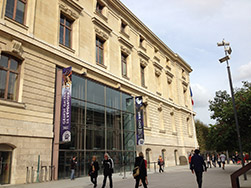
72, 174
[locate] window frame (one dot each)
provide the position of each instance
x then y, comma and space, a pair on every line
142, 76
124, 61
66, 18
15, 11
8, 70
98, 49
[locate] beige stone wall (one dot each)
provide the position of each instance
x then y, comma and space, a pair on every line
170, 123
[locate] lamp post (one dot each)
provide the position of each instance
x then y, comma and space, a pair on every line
228, 51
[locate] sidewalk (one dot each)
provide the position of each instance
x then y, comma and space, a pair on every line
174, 177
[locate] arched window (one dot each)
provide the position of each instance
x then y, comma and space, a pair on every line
9, 77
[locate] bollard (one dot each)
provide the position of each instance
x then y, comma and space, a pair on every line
154, 167
32, 175
27, 175
124, 173
120, 171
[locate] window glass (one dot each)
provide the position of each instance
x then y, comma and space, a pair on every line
3, 74
61, 19
127, 103
13, 64
129, 140
95, 117
77, 112
95, 92
95, 139
78, 87
61, 38
67, 37
114, 140
4, 61
12, 86
128, 121
101, 56
20, 12
112, 98
113, 118
9, 8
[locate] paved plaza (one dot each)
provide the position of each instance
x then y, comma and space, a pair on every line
174, 177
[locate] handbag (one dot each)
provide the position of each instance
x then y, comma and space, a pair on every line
136, 170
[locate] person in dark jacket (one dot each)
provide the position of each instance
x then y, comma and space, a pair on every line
108, 169
73, 167
93, 171
197, 163
140, 162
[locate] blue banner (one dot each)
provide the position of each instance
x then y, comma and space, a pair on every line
65, 122
139, 120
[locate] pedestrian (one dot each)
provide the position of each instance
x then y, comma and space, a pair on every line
219, 160
189, 160
142, 175
73, 167
198, 166
214, 160
247, 157
108, 169
161, 164
233, 159
223, 160
208, 161
236, 157
93, 170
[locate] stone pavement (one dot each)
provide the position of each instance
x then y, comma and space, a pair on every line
174, 177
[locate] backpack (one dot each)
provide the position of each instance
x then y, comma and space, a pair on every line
136, 170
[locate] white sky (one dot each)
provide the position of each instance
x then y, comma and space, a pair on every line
192, 28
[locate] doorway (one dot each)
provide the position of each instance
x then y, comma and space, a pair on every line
5, 167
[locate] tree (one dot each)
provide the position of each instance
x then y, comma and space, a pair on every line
222, 135
202, 133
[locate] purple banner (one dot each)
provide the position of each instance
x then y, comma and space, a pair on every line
65, 122
139, 120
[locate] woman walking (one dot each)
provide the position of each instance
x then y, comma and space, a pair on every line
140, 163
93, 170
161, 164
214, 160
219, 160
108, 169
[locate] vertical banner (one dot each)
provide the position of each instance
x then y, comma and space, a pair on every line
139, 120
65, 122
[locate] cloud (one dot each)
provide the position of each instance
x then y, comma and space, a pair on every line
244, 72
201, 96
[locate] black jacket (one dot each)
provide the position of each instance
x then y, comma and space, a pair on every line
108, 167
73, 164
94, 165
139, 161
197, 163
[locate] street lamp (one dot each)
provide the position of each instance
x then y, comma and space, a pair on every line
228, 51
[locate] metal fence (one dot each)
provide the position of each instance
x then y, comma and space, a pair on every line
43, 174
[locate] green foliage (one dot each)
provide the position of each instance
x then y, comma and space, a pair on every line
222, 135
202, 133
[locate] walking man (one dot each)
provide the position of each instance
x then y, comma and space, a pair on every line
93, 170
161, 164
197, 163
108, 169
73, 167
223, 160
140, 163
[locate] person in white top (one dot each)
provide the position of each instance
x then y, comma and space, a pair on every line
223, 159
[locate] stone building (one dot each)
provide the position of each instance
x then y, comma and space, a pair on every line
114, 58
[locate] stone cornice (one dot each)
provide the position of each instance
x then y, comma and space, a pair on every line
125, 42
74, 5
157, 65
101, 25
168, 73
143, 55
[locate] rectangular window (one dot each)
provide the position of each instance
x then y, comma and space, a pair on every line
99, 51
99, 8
9, 75
124, 64
142, 75
123, 27
65, 31
15, 9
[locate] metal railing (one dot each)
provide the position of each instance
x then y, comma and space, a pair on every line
43, 174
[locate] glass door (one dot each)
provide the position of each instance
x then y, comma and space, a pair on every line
5, 167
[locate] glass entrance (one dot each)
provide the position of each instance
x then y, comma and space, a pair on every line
5, 167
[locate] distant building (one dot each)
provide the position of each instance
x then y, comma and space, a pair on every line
114, 58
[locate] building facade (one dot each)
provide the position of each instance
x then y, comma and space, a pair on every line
114, 58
